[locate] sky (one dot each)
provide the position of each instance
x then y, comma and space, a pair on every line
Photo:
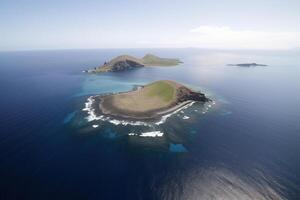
218, 24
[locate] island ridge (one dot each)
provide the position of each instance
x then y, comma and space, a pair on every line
127, 62
247, 65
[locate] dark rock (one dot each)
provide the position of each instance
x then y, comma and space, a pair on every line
125, 65
185, 94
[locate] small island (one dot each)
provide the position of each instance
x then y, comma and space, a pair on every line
127, 62
147, 102
247, 65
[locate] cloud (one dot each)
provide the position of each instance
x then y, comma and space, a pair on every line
226, 37
210, 29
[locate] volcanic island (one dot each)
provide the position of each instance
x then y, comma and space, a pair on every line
247, 65
127, 62
147, 102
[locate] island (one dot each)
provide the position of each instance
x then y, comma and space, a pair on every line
247, 65
127, 62
147, 102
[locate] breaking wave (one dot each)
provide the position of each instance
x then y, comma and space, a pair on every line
148, 134
93, 117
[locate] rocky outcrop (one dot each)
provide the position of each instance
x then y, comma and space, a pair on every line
185, 94
124, 65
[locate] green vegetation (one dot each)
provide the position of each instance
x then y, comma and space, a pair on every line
157, 95
161, 89
153, 60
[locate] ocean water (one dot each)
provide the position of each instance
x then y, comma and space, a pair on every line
244, 145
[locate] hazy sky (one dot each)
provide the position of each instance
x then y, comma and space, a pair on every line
63, 24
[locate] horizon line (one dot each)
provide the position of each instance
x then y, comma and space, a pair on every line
132, 48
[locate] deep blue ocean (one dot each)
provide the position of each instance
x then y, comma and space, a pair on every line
245, 146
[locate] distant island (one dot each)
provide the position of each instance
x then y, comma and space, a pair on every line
247, 65
147, 102
127, 62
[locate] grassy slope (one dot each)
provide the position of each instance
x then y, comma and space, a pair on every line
161, 89
153, 96
148, 60
153, 60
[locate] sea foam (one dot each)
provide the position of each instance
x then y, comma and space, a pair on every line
92, 116
165, 117
148, 134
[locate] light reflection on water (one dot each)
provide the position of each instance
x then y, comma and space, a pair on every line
219, 183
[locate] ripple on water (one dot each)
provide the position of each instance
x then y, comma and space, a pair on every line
69, 117
110, 133
220, 183
177, 148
